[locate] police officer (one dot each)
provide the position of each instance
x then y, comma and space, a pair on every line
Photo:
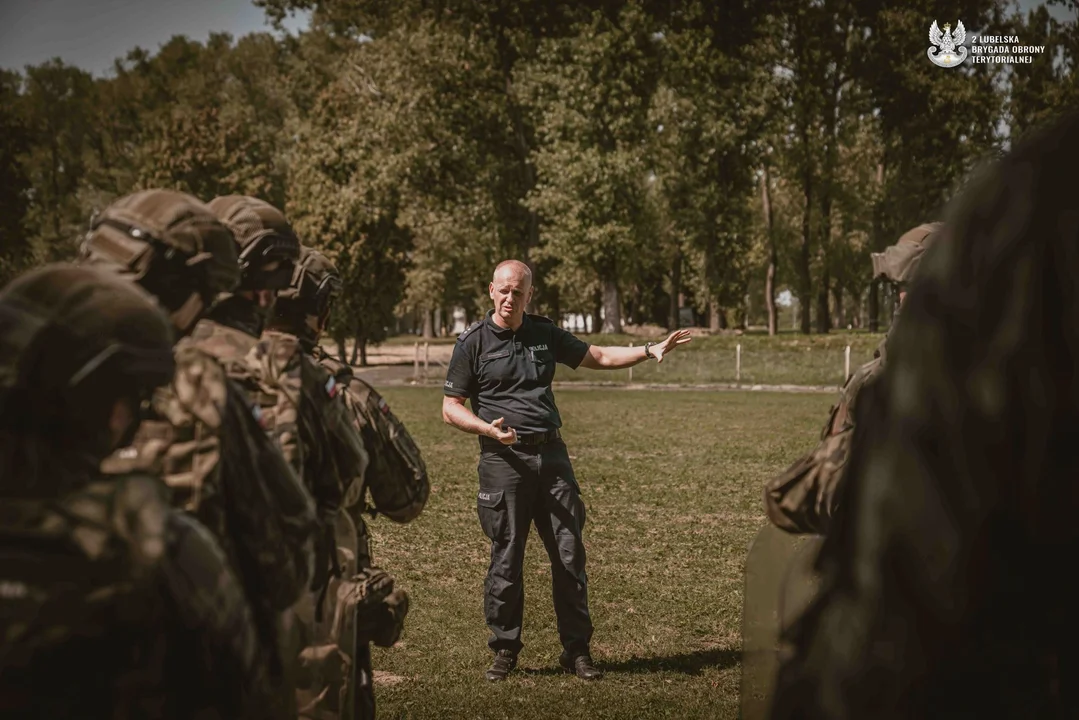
505, 364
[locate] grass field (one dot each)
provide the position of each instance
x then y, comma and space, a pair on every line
672, 483
785, 359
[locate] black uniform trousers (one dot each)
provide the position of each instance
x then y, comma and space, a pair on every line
522, 485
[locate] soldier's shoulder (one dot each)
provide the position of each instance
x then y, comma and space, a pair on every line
333, 365
469, 331
281, 344
199, 387
225, 343
540, 319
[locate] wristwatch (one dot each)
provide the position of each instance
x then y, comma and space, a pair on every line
648, 350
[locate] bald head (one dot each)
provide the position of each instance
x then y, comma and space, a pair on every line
513, 270
511, 291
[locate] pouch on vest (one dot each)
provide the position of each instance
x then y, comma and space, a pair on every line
396, 473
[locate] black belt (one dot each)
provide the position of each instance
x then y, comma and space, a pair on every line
523, 439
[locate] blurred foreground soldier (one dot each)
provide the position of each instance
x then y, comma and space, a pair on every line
505, 364
112, 604
779, 576
946, 592
804, 498
364, 607
202, 431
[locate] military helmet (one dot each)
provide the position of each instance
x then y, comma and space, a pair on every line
303, 307
264, 236
80, 332
899, 263
172, 245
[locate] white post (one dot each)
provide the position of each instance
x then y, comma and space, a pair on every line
631, 368
416, 364
426, 356
738, 364
846, 364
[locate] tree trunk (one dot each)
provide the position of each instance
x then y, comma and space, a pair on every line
805, 288
837, 302
612, 307
362, 343
355, 345
341, 353
824, 321
673, 314
597, 311
507, 55
874, 306
428, 328
773, 255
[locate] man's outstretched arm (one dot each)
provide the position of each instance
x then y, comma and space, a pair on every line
614, 357
456, 414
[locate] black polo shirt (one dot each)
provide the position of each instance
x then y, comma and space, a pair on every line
508, 374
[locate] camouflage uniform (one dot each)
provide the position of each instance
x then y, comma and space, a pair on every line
365, 607
804, 498
112, 604
202, 433
301, 405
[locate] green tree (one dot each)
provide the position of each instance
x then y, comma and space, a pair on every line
57, 102
929, 145
14, 181
591, 93
707, 114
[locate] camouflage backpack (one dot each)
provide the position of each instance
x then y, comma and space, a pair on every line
396, 474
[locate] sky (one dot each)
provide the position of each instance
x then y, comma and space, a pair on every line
92, 33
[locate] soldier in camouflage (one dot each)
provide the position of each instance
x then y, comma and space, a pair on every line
804, 498
112, 604
301, 405
202, 433
368, 597
945, 584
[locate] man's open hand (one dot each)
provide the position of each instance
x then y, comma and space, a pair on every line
507, 436
678, 337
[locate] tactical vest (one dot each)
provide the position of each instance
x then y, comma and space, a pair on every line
261, 371
245, 494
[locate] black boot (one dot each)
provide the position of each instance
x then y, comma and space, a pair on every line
580, 665
504, 662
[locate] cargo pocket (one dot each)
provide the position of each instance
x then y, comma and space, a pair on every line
492, 511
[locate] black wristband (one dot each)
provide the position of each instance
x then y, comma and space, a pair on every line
648, 350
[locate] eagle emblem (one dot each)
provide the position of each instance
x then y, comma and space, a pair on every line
947, 50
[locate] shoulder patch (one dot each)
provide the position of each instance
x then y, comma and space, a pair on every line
541, 319
468, 330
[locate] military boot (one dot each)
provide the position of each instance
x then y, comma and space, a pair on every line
580, 665
504, 662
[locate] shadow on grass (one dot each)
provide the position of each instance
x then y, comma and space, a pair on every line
687, 663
